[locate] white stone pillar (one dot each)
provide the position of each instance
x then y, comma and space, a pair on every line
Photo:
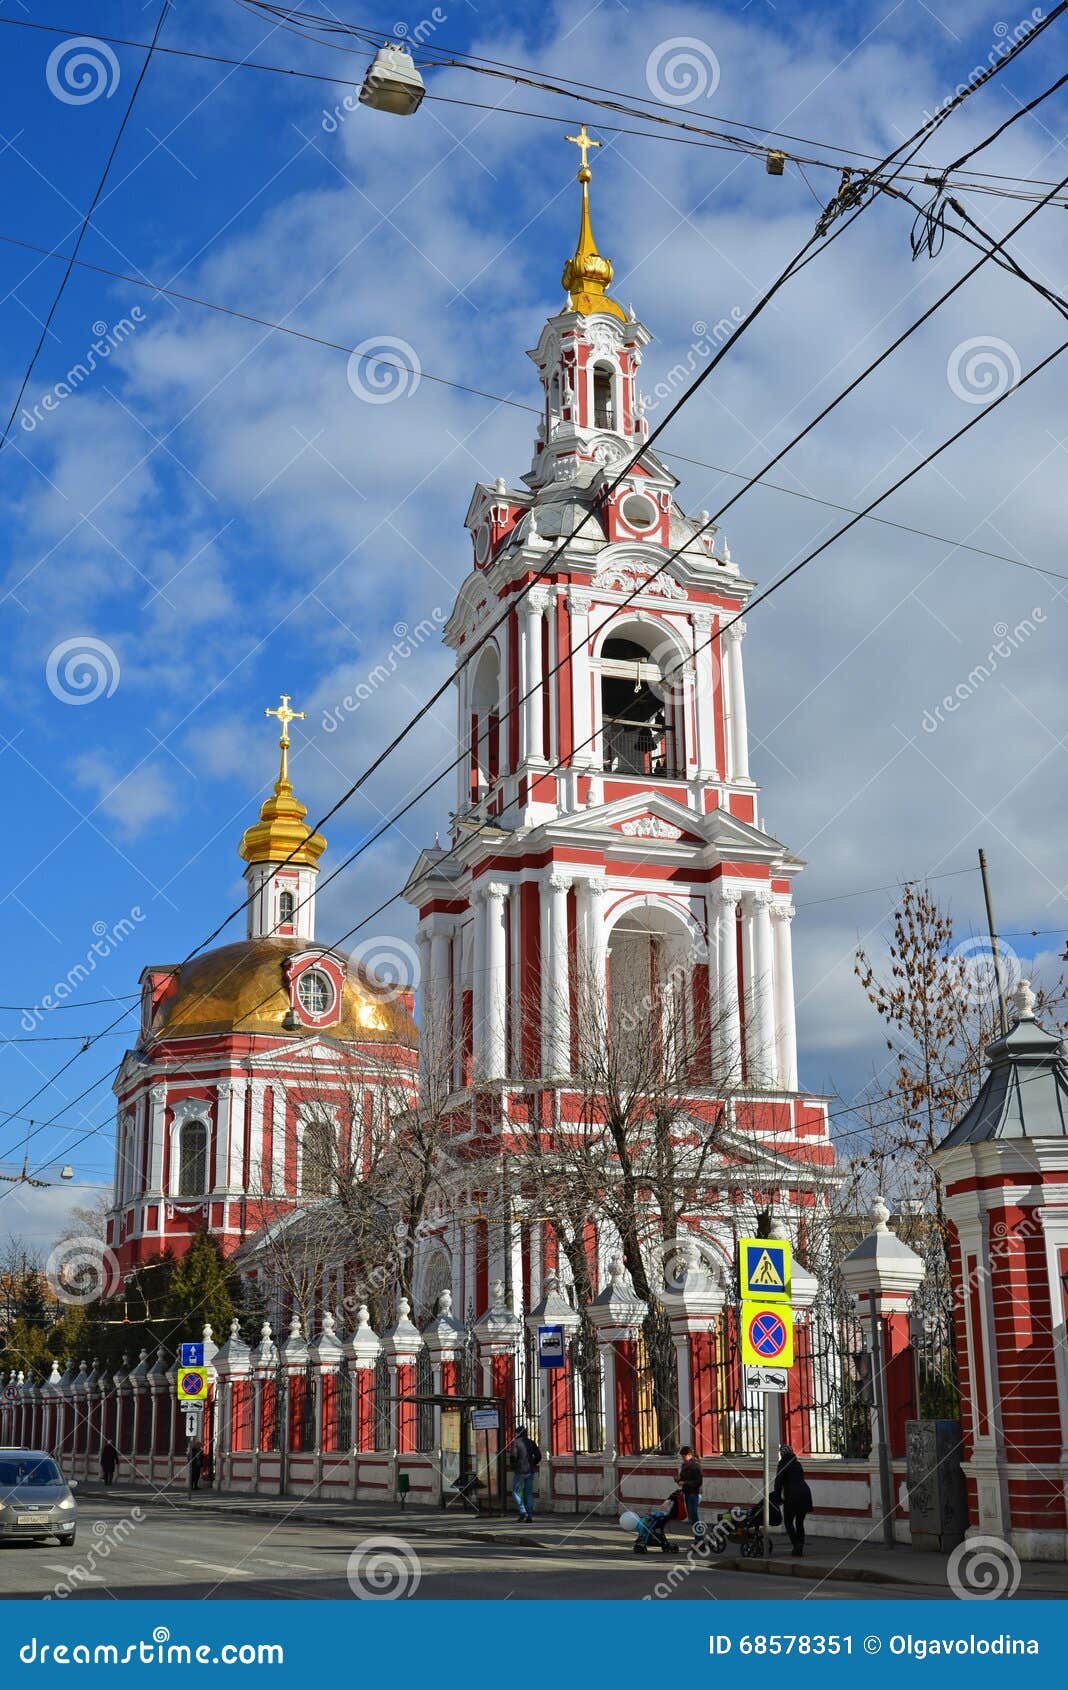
494, 1047
786, 1023
157, 1112
258, 1089
594, 952
477, 958
556, 979
722, 906
278, 1138
578, 605
223, 1113
706, 657
427, 1006
760, 998
738, 735
532, 741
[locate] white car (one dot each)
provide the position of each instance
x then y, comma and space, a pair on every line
35, 1499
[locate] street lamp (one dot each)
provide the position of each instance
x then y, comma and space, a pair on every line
392, 82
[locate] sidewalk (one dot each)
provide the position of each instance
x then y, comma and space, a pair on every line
825, 1558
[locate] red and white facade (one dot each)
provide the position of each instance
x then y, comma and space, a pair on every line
592, 831
242, 1050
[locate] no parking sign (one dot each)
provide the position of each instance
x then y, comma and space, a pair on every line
767, 1334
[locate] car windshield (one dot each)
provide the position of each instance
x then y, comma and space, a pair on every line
28, 1470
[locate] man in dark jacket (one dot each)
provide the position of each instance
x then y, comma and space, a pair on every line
525, 1457
109, 1460
792, 1495
689, 1481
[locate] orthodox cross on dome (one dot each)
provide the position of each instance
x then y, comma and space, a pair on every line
584, 143
588, 275
285, 715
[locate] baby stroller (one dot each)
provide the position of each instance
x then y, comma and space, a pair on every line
748, 1531
648, 1528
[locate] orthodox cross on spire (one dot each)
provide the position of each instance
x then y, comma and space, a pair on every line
285, 715
584, 143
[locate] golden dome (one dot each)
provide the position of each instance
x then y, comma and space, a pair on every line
587, 275
281, 833
241, 988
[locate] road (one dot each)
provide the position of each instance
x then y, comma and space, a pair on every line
173, 1554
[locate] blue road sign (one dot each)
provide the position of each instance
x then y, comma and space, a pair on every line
192, 1355
550, 1346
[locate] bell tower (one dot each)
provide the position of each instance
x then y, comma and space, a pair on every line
606, 828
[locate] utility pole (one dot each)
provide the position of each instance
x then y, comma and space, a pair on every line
1003, 1014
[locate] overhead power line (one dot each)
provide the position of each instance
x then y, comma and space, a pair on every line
670, 127
53, 308
804, 256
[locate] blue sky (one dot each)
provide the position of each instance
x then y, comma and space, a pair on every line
223, 517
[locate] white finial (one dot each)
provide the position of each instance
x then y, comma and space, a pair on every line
265, 1332
363, 1317
532, 525
702, 519
616, 1269
880, 1214
294, 1327
445, 1302
404, 1309
497, 1293
235, 1330
328, 1325
207, 1332
1023, 1001
500, 485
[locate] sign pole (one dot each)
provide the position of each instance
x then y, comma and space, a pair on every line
765, 1398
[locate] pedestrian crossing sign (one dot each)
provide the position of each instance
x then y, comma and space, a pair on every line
764, 1268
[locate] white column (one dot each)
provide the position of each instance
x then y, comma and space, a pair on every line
157, 1100
594, 952
531, 668
477, 959
236, 1163
258, 1089
705, 659
441, 987
427, 1005
738, 720
496, 993
760, 1000
786, 1025
578, 605
223, 1113
278, 1139
556, 978
722, 907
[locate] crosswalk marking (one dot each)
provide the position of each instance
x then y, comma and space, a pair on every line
214, 1567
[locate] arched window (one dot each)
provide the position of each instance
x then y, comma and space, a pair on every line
641, 695
485, 723
317, 1157
193, 1159
604, 415
286, 906
651, 1016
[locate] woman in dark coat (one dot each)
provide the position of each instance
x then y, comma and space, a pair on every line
792, 1495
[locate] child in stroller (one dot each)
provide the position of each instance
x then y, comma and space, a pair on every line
745, 1526
648, 1528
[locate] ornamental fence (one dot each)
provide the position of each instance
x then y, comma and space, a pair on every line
630, 1393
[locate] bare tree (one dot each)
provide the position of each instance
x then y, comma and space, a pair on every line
938, 1000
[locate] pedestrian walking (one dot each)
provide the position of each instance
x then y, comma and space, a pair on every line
690, 1479
792, 1495
109, 1460
196, 1464
525, 1458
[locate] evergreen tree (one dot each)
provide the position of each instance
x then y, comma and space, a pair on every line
203, 1290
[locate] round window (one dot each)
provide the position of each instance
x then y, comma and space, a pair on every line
638, 512
315, 991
